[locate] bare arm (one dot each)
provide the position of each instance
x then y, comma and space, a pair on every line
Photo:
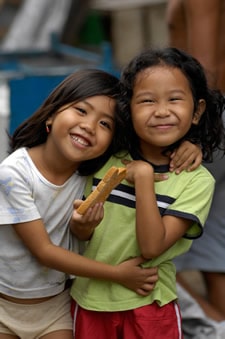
176, 24
129, 274
83, 226
154, 233
203, 20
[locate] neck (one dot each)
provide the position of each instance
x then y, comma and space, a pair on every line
153, 159
54, 170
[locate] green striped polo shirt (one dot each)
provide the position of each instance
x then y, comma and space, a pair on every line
187, 195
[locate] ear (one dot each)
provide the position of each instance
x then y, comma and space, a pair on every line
49, 121
199, 111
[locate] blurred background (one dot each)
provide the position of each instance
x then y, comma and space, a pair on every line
42, 41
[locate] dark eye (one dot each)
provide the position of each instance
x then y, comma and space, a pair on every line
80, 110
106, 124
148, 100
175, 99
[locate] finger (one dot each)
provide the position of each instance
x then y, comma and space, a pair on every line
96, 212
126, 161
195, 164
152, 278
137, 261
146, 289
151, 274
183, 153
191, 163
172, 155
184, 166
77, 203
142, 292
180, 159
185, 162
160, 177
178, 154
186, 157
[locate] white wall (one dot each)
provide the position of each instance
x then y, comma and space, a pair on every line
4, 118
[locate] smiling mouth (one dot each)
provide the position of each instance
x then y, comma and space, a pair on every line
165, 126
80, 141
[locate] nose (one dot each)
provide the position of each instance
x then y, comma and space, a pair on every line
162, 111
89, 126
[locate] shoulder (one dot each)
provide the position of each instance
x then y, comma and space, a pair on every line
198, 175
201, 174
187, 188
14, 173
14, 163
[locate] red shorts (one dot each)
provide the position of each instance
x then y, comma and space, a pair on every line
147, 322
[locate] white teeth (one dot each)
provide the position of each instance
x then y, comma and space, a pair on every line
80, 141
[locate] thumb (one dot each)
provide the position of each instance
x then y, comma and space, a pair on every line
77, 203
125, 161
137, 261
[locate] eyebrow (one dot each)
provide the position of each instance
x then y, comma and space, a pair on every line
173, 91
102, 112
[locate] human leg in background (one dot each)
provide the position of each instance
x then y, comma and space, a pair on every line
208, 307
203, 26
221, 66
176, 23
198, 27
215, 283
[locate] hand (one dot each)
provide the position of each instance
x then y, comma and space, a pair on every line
140, 280
83, 225
187, 157
132, 166
136, 169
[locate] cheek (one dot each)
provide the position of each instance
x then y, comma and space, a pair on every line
135, 121
186, 123
105, 141
138, 123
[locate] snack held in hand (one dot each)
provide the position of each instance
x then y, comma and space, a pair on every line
111, 179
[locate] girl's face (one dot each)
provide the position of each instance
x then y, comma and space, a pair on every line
84, 130
162, 108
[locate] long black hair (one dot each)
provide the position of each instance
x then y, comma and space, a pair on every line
209, 133
76, 87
